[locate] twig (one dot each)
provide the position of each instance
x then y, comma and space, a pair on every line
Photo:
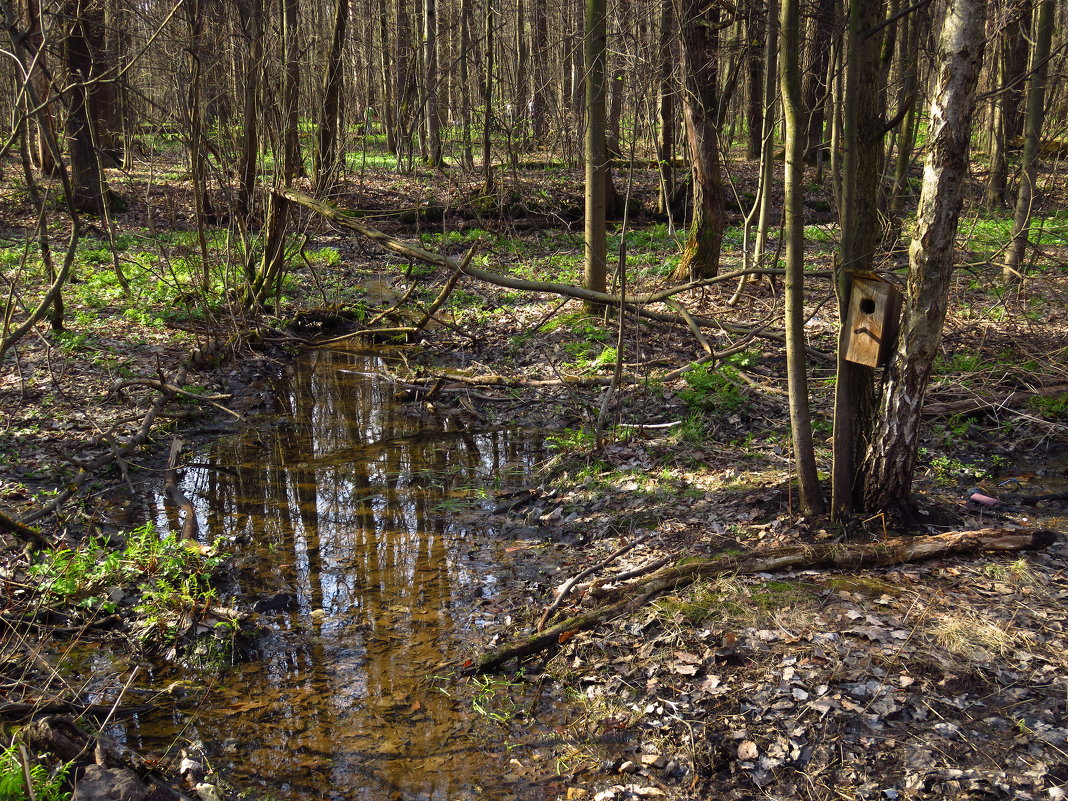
87, 471
567, 586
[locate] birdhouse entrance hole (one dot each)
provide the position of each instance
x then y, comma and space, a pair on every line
872, 320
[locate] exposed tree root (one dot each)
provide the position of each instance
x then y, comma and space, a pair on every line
629, 597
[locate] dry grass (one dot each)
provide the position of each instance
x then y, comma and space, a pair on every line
971, 637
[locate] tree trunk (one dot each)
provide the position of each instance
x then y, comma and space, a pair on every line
596, 157
815, 90
326, 157
862, 142
1036, 101
430, 80
83, 46
891, 454
797, 378
906, 141
44, 120
665, 143
467, 158
699, 54
389, 86
540, 77
487, 99
757, 33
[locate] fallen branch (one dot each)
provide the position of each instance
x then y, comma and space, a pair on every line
386, 242
171, 388
978, 405
190, 529
628, 597
567, 586
23, 533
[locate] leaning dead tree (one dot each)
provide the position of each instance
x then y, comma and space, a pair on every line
630, 596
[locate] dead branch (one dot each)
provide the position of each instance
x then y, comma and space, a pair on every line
978, 405
903, 550
567, 586
190, 529
162, 386
24, 533
386, 242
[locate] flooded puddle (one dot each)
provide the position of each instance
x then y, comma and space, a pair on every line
361, 513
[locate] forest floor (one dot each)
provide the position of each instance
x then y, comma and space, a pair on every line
944, 679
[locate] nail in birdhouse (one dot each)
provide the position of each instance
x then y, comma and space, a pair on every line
872, 320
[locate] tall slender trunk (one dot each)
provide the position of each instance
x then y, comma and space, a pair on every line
862, 143
466, 156
487, 97
540, 76
906, 141
699, 63
431, 79
797, 378
389, 86
665, 144
82, 48
815, 88
757, 32
595, 44
1036, 102
251, 13
326, 157
45, 122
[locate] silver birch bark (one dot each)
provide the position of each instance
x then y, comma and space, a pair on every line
891, 456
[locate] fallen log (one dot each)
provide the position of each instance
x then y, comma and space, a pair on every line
981, 405
902, 550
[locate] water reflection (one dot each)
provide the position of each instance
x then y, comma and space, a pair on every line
358, 508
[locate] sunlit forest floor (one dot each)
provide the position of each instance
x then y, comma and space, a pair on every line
944, 680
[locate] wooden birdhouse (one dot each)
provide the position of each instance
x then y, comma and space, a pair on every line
872, 319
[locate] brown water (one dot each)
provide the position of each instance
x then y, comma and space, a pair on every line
363, 509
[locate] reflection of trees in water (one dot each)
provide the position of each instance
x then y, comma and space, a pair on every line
369, 539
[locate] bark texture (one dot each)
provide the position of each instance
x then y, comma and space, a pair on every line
699, 58
891, 455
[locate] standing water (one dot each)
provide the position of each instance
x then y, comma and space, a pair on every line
355, 516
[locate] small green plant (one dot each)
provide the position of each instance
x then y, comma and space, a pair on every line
1053, 407
494, 698
169, 574
46, 786
570, 439
713, 390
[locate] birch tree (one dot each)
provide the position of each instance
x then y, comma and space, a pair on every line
891, 454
